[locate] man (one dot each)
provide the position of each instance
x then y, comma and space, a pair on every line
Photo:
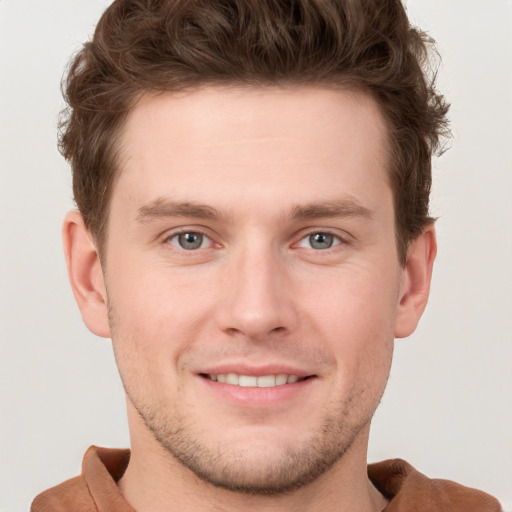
252, 180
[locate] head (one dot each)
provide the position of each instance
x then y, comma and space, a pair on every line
255, 178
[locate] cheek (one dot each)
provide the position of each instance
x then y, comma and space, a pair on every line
356, 315
156, 313
357, 303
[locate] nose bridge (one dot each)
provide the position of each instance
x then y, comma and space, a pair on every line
256, 300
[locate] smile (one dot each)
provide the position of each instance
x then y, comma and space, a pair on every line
251, 381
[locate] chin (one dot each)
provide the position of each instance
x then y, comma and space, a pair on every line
271, 475
264, 466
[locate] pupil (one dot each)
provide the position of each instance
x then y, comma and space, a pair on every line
190, 241
321, 241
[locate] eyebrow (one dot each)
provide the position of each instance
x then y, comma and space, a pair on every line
162, 207
346, 207
167, 208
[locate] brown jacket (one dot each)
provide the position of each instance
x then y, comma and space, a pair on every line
95, 490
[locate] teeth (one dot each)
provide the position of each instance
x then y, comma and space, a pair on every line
250, 381
281, 379
232, 378
267, 381
247, 382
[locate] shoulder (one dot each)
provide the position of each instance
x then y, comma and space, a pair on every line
95, 489
408, 489
71, 495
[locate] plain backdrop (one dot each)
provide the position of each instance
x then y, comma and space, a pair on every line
448, 406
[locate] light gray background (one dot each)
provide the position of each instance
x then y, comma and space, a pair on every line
448, 407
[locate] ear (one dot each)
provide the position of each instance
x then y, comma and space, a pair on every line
415, 282
85, 274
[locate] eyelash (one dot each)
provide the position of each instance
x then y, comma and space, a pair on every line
337, 240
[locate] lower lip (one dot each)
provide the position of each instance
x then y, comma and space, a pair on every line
254, 397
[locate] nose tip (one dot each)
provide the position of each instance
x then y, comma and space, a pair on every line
254, 324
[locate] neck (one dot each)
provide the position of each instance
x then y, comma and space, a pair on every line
156, 482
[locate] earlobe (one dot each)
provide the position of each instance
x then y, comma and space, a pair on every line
85, 274
415, 284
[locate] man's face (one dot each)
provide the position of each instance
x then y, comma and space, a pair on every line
253, 279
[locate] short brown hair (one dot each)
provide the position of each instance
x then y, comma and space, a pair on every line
169, 45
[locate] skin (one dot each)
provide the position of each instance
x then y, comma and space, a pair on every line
257, 173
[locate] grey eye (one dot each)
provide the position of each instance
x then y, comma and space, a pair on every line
188, 241
321, 241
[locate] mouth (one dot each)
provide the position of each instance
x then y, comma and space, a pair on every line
252, 381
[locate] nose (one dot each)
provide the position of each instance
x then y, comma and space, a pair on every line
257, 299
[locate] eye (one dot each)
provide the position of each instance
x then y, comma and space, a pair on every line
189, 240
319, 241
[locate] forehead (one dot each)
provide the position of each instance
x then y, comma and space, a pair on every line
216, 141
207, 113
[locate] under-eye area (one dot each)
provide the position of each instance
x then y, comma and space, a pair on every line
251, 381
